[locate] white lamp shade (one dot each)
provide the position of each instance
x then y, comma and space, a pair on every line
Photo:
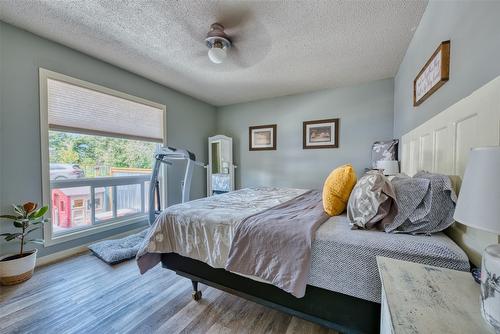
390, 167
217, 55
478, 203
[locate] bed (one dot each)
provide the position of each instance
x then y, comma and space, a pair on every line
343, 287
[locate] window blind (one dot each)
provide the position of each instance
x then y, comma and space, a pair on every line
77, 109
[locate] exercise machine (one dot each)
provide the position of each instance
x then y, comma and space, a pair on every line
165, 156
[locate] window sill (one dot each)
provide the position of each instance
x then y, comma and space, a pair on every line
51, 240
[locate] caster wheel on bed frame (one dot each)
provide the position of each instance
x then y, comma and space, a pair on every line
196, 295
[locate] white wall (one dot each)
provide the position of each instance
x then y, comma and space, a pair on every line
366, 115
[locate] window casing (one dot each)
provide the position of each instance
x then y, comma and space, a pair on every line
82, 204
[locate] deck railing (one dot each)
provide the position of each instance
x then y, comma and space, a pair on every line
125, 197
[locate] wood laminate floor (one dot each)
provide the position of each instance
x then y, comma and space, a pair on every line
84, 295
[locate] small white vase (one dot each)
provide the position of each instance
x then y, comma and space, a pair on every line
490, 286
17, 270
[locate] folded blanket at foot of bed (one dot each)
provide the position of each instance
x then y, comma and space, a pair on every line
275, 245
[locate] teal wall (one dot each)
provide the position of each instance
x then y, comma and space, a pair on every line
366, 115
373, 111
474, 30
189, 121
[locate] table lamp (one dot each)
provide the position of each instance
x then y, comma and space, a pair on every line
478, 206
389, 167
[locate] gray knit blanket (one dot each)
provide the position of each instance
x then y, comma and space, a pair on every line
425, 202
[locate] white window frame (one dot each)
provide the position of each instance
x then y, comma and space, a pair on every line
44, 76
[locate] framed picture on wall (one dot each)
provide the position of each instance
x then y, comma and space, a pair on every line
433, 75
262, 137
322, 133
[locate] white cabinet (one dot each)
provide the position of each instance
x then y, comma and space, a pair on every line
220, 168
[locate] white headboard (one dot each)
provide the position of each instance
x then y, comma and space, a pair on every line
442, 145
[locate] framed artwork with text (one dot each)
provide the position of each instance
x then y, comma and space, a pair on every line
433, 75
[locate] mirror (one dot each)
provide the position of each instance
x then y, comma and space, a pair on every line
216, 158
220, 172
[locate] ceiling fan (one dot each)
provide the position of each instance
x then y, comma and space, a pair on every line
218, 43
235, 39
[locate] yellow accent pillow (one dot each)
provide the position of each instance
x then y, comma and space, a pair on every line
337, 188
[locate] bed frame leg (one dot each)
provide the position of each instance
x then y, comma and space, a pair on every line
196, 293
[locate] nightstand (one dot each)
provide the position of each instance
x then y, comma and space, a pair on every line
418, 298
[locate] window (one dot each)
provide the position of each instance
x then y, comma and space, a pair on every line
97, 153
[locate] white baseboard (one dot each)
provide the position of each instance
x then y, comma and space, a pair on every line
58, 256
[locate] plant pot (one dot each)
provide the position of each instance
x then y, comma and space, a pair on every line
15, 269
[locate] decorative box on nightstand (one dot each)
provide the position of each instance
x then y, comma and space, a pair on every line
418, 298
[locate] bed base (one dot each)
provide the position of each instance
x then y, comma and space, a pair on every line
331, 309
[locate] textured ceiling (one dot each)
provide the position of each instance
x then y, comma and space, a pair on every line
281, 47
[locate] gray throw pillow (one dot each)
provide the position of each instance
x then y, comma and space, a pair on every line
371, 200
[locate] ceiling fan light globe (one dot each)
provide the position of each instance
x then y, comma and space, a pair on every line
217, 55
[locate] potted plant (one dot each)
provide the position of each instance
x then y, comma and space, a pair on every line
17, 268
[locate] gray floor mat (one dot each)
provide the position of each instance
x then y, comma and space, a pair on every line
118, 250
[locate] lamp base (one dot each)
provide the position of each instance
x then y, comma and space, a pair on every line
490, 286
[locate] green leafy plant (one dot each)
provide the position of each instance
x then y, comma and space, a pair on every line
27, 218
